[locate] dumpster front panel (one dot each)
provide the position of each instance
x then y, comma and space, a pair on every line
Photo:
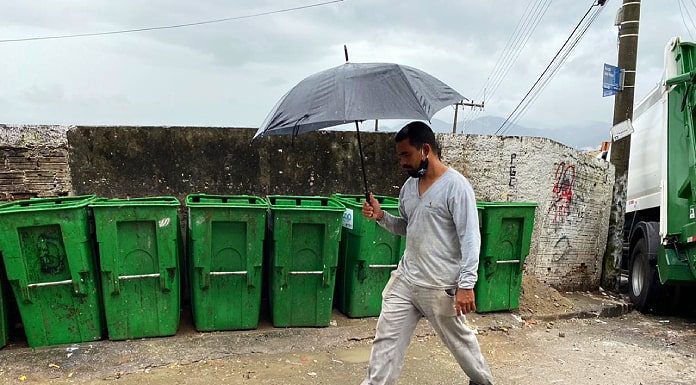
368, 255
139, 258
366, 275
506, 238
50, 265
304, 256
226, 261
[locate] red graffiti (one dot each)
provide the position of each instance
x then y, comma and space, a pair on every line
562, 192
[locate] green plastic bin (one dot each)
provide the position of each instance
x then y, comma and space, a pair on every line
506, 235
303, 259
368, 254
225, 240
50, 263
139, 249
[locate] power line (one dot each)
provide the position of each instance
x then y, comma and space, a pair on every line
555, 68
70, 36
513, 60
554, 61
525, 28
513, 43
523, 43
681, 11
511, 46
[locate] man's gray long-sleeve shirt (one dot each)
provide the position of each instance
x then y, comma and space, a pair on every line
442, 232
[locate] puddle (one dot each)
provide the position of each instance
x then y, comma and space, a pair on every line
354, 356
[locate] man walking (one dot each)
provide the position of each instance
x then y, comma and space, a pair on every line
438, 271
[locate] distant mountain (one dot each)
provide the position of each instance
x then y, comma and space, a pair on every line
580, 136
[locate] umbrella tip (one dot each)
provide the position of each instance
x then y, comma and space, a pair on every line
345, 52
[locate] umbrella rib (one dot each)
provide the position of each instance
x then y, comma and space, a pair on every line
413, 91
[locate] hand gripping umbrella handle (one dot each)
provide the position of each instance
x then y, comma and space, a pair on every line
362, 164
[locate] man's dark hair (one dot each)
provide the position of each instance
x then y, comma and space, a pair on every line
418, 134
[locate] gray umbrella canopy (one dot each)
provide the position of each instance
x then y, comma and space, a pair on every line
355, 92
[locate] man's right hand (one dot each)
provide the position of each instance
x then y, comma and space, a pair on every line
373, 211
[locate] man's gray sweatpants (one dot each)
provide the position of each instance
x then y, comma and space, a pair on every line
402, 306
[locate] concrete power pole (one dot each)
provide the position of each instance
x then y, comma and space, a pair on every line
620, 149
465, 104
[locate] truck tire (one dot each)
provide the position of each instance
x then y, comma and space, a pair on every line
643, 282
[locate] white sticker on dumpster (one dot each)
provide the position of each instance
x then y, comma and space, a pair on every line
348, 219
164, 222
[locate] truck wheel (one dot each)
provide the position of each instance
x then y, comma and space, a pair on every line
644, 284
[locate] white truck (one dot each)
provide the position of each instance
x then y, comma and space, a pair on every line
659, 255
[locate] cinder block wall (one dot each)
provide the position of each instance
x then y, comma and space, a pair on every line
572, 189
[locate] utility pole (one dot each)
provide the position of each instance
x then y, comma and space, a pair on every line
620, 150
456, 109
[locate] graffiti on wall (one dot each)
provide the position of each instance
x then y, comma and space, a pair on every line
513, 170
563, 191
561, 249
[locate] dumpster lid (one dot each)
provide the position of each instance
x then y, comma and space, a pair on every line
313, 203
210, 200
356, 200
144, 201
44, 204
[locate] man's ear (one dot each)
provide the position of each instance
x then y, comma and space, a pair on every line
426, 149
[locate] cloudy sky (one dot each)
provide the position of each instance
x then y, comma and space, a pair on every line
232, 73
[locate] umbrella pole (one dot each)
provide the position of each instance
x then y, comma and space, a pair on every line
362, 164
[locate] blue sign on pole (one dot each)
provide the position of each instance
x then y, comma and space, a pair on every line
612, 80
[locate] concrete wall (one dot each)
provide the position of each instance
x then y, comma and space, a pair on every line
141, 161
573, 190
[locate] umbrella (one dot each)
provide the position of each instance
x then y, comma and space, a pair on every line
354, 92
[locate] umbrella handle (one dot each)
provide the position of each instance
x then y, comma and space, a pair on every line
362, 165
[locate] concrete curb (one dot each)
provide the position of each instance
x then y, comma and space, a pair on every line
613, 310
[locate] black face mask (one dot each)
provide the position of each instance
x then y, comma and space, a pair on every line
420, 172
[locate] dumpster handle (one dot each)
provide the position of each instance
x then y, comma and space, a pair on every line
45, 284
382, 266
138, 276
228, 273
508, 261
318, 272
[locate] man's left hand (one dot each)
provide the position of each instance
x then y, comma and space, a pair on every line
465, 301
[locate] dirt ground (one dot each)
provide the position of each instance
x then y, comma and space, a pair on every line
633, 349
538, 298
539, 344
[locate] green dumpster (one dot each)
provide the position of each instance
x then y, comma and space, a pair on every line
50, 264
225, 240
139, 249
303, 259
368, 254
505, 239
